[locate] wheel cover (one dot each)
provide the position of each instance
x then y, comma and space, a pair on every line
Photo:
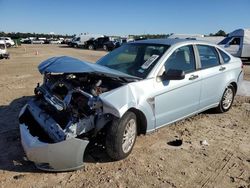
129, 136
227, 98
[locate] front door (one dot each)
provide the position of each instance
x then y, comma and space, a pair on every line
176, 99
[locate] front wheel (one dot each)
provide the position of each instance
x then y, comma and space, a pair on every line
226, 100
91, 47
121, 136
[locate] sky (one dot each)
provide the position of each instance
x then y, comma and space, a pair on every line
114, 17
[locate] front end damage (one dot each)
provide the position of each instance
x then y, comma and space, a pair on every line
65, 114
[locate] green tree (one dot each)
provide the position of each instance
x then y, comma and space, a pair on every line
220, 33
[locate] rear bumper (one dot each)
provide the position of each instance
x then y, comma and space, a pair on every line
66, 155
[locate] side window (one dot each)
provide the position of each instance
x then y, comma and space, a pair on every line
224, 56
208, 56
235, 41
181, 59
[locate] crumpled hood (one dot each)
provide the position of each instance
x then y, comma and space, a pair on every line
65, 64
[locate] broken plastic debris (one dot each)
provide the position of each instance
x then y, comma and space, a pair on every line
204, 143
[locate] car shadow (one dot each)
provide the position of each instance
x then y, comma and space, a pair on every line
12, 156
96, 154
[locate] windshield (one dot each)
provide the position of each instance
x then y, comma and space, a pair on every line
225, 40
134, 59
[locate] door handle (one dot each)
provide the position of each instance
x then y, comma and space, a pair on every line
193, 77
222, 68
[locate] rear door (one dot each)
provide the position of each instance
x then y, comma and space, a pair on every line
213, 76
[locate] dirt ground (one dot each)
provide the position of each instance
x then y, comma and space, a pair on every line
225, 162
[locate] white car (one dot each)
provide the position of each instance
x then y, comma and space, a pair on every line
37, 42
55, 42
3, 50
9, 42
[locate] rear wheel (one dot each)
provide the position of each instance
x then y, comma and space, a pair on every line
91, 47
121, 136
105, 47
226, 100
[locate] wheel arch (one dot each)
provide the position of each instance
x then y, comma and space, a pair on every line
234, 84
141, 121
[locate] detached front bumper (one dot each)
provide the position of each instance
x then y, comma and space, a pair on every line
66, 155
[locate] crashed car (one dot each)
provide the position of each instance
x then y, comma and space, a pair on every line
135, 89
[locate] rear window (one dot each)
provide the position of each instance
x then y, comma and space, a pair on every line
224, 56
208, 56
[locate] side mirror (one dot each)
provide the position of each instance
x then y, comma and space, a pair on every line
227, 45
173, 74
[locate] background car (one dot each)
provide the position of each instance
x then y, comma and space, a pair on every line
37, 41
96, 43
3, 50
111, 45
9, 42
55, 41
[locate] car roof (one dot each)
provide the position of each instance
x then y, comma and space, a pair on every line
172, 41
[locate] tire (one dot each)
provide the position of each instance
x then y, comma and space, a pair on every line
226, 100
117, 145
91, 47
105, 48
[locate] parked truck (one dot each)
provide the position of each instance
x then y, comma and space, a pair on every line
96, 43
81, 40
237, 43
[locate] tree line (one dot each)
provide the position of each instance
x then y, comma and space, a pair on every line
219, 33
18, 35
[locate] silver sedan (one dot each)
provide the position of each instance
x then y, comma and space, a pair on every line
135, 89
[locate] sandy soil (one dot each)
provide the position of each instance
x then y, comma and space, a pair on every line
225, 162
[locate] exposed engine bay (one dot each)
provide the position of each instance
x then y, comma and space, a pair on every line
70, 111
71, 104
